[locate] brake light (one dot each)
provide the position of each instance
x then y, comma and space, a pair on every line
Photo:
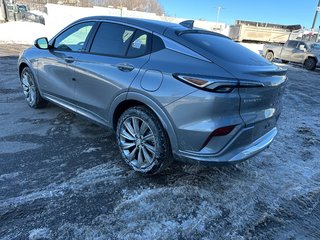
220, 85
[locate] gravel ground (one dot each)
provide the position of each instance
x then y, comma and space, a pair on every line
62, 177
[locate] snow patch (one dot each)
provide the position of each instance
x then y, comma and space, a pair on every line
92, 149
91, 176
14, 147
255, 47
40, 233
9, 176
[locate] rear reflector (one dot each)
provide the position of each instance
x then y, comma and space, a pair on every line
218, 132
222, 131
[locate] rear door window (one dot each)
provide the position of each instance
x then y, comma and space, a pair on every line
112, 39
140, 45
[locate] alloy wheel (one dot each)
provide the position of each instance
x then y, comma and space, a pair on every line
29, 89
137, 142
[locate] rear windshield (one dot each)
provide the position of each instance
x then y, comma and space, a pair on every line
224, 49
315, 46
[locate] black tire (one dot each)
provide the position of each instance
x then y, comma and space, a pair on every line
270, 56
30, 89
284, 61
144, 154
310, 64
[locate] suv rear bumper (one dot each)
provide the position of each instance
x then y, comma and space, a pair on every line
236, 155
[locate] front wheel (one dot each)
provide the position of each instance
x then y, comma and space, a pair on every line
310, 64
143, 142
30, 89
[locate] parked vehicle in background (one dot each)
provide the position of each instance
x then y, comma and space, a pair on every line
167, 90
20, 12
262, 32
306, 53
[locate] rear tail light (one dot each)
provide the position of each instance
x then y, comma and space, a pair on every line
215, 84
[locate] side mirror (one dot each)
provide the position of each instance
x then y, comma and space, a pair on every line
42, 43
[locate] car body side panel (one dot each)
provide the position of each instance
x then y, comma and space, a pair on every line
276, 49
286, 53
159, 111
56, 76
30, 58
99, 81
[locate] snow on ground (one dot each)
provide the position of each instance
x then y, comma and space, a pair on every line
22, 32
74, 185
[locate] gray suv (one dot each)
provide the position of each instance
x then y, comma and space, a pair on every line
168, 90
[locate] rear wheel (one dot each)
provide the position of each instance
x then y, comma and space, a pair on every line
310, 64
30, 89
270, 56
142, 140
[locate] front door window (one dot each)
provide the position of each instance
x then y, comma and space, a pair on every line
74, 38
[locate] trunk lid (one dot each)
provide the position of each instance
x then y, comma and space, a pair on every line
261, 99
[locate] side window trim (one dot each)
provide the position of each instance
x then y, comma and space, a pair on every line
91, 36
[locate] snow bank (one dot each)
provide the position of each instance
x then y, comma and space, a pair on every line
255, 47
22, 32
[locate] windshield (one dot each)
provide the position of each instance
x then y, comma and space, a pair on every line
315, 46
225, 49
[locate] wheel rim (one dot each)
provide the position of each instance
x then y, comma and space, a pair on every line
137, 142
309, 64
269, 56
29, 89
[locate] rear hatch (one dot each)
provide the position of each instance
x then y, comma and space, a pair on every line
261, 83
260, 94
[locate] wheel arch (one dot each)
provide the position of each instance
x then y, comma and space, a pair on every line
22, 65
131, 99
312, 57
270, 50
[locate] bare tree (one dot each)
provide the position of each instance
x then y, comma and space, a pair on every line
138, 5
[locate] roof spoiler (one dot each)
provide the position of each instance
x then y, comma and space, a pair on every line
187, 24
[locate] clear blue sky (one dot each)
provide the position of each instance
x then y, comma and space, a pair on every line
288, 12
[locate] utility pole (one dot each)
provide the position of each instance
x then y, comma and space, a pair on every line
315, 16
219, 9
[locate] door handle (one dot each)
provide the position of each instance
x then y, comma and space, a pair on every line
125, 67
69, 59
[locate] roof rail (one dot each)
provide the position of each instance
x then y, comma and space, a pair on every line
187, 24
